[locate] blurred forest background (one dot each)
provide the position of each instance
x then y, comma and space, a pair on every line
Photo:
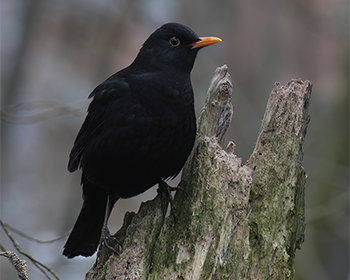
53, 53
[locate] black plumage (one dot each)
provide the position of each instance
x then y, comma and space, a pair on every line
139, 130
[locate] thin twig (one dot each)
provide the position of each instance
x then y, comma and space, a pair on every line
40, 110
26, 236
42, 267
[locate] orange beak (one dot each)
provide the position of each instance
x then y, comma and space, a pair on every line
205, 41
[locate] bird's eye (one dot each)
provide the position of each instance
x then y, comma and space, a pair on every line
174, 41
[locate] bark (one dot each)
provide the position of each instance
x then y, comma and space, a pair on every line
234, 221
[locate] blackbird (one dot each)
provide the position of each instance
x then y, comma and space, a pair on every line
139, 130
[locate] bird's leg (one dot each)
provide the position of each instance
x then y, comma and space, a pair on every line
164, 188
105, 234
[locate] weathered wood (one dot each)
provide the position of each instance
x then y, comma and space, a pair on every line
234, 221
277, 222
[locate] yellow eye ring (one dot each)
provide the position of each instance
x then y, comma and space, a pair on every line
174, 41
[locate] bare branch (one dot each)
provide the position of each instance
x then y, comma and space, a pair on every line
28, 237
40, 110
19, 265
42, 267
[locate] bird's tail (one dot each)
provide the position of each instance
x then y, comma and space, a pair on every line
85, 236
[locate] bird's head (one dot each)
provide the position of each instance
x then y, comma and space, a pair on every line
173, 45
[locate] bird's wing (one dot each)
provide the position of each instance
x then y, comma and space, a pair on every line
90, 127
112, 89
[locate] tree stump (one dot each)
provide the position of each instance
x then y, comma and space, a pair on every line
233, 221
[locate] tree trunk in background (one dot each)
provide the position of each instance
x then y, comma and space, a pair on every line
234, 221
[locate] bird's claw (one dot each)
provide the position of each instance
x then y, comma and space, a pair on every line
105, 243
178, 188
165, 188
105, 238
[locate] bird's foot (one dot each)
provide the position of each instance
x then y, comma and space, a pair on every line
105, 240
178, 188
166, 198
